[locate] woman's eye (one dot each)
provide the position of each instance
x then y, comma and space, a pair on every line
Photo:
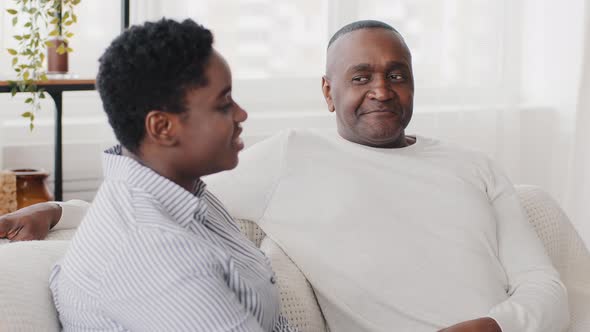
226, 107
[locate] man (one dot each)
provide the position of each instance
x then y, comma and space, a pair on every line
395, 232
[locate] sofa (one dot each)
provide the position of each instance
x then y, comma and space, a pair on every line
26, 305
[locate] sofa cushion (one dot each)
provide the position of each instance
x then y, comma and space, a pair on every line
298, 301
25, 298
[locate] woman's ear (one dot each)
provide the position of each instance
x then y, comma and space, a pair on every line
327, 94
161, 128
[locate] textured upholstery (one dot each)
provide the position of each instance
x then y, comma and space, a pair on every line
298, 302
25, 301
565, 248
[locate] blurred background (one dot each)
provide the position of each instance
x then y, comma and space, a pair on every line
510, 78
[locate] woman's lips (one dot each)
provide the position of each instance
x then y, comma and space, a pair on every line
237, 141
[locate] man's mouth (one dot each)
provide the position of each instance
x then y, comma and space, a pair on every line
381, 111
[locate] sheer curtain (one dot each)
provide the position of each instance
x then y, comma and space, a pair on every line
500, 76
577, 200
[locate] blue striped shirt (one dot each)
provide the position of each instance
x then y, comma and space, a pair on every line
151, 256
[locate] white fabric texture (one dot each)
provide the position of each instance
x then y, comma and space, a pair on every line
565, 248
72, 213
26, 304
298, 302
25, 299
341, 211
33, 310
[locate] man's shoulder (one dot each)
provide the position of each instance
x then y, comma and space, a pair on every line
291, 135
453, 149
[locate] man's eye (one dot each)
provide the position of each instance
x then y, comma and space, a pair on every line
360, 79
396, 77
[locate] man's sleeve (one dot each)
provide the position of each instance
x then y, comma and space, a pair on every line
168, 282
247, 189
72, 213
537, 298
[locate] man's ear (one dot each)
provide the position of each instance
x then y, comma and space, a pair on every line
326, 90
161, 128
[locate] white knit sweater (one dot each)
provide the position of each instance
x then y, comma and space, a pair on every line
411, 239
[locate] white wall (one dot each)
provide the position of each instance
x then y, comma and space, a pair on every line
524, 131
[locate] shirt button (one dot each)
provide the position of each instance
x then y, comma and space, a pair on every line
273, 280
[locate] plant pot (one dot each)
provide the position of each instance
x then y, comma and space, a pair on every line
31, 187
56, 63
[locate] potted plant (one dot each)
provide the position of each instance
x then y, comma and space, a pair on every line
56, 16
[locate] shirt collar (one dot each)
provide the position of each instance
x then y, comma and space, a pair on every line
183, 206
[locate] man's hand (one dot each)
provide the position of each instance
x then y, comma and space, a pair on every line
485, 324
30, 223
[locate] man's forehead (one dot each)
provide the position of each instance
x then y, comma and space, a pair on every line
364, 44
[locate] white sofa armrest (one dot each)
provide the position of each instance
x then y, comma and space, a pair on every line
566, 249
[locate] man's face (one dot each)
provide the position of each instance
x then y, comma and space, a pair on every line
210, 128
370, 86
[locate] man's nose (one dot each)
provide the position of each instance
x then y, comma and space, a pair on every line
381, 90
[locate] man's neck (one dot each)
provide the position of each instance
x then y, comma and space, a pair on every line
401, 142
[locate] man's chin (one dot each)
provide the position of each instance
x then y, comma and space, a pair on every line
382, 135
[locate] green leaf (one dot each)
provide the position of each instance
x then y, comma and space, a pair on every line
11, 11
42, 57
68, 23
14, 20
70, 50
54, 21
12, 51
31, 126
13, 91
17, 37
29, 101
54, 33
69, 35
43, 78
61, 49
75, 18
26, 76
28, 25
66, 16
27, 114
27, 36
49, 44
14, 61
42, 95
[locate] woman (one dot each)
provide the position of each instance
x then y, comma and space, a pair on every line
156, 251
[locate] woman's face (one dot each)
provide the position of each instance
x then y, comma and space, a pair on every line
208, 135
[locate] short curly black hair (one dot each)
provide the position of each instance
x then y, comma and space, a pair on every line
151, 67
